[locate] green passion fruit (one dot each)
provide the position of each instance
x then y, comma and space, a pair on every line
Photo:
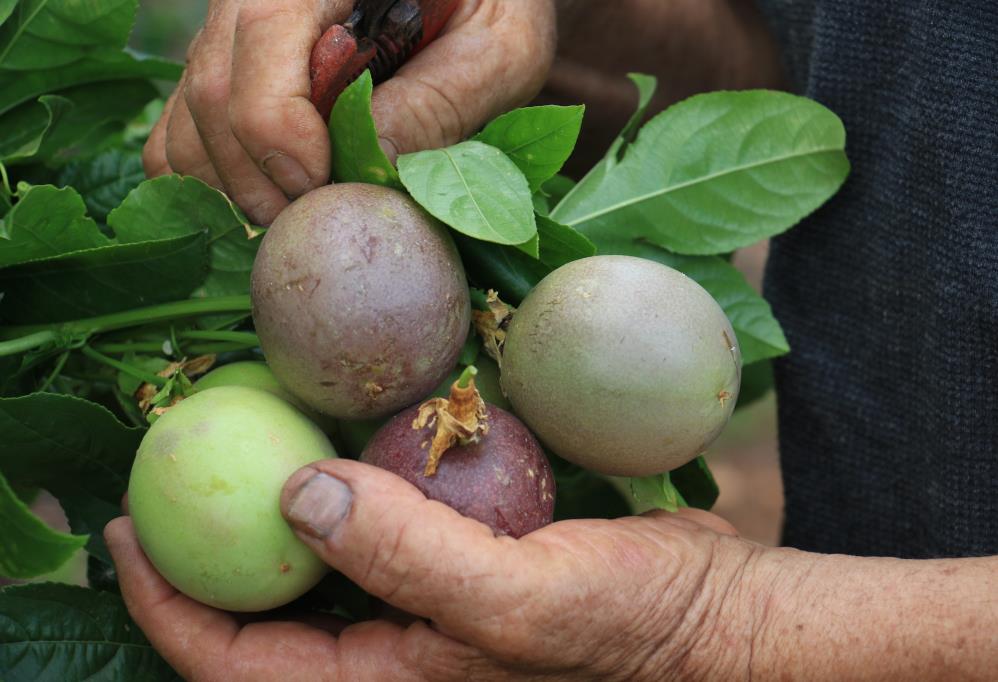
622, 365
360, 300
256, 374
204, 495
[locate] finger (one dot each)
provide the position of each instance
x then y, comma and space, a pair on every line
206, 97
154, 151
494, 56
712, 521
418, 555
202, 643
184, 151
269, 110
186, 633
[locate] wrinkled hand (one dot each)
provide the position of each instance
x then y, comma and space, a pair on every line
638, 598
240, 118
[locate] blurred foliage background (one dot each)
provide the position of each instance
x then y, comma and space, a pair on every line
744, 460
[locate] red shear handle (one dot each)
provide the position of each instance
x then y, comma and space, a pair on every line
338, 58
436, 14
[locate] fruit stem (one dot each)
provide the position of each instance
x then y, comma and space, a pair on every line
460, 419
467, 377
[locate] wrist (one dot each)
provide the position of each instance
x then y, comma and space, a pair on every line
718, 635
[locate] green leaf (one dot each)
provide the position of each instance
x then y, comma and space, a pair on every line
30, 548
43, 35
357, 154
696, 484
504, 268
646, 87
63, 632
99, 111
6, 8
715, 173
475, 189
26, 127
552, 192
561, 244
46, 222
759, 334
589, 496
757, 382
19, 87
105, 180
657, 492
538, 139
88, 514
64, 444
103, 280
75, 449
175, 205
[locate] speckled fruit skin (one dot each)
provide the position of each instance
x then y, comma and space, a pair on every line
256, 374
504, 481
360, 300
621, 365
204, 495
354, 435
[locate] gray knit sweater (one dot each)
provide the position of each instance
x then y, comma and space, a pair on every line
889, 295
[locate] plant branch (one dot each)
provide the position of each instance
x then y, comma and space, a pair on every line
133, 318
139, 374
28, 342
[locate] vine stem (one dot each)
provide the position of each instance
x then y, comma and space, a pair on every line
28, 342
54, 374
139, 374
31, 336
5, 179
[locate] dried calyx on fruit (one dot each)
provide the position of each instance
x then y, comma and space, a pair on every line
460, 419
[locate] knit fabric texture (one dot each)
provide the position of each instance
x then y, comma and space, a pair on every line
888, 401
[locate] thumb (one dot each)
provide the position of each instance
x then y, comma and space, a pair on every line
416, 554
494, 55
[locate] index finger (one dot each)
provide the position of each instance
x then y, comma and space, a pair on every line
170, 620
269, 108
203, 643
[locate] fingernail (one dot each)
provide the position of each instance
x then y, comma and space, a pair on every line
390, 149
319, 505
287, 173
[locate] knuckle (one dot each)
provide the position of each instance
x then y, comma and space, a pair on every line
384, 574
154, 161
261, 207
255, 11
434, 111
206, 89
274, 119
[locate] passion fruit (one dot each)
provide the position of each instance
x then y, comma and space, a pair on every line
622, 365
204, 495
360, 300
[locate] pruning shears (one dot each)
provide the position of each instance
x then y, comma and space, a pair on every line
380, 35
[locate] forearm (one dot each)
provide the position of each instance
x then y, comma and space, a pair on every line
832, 617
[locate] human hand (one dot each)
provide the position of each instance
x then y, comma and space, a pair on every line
241, 120
634, 598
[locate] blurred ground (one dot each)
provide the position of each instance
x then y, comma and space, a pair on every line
745, 459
